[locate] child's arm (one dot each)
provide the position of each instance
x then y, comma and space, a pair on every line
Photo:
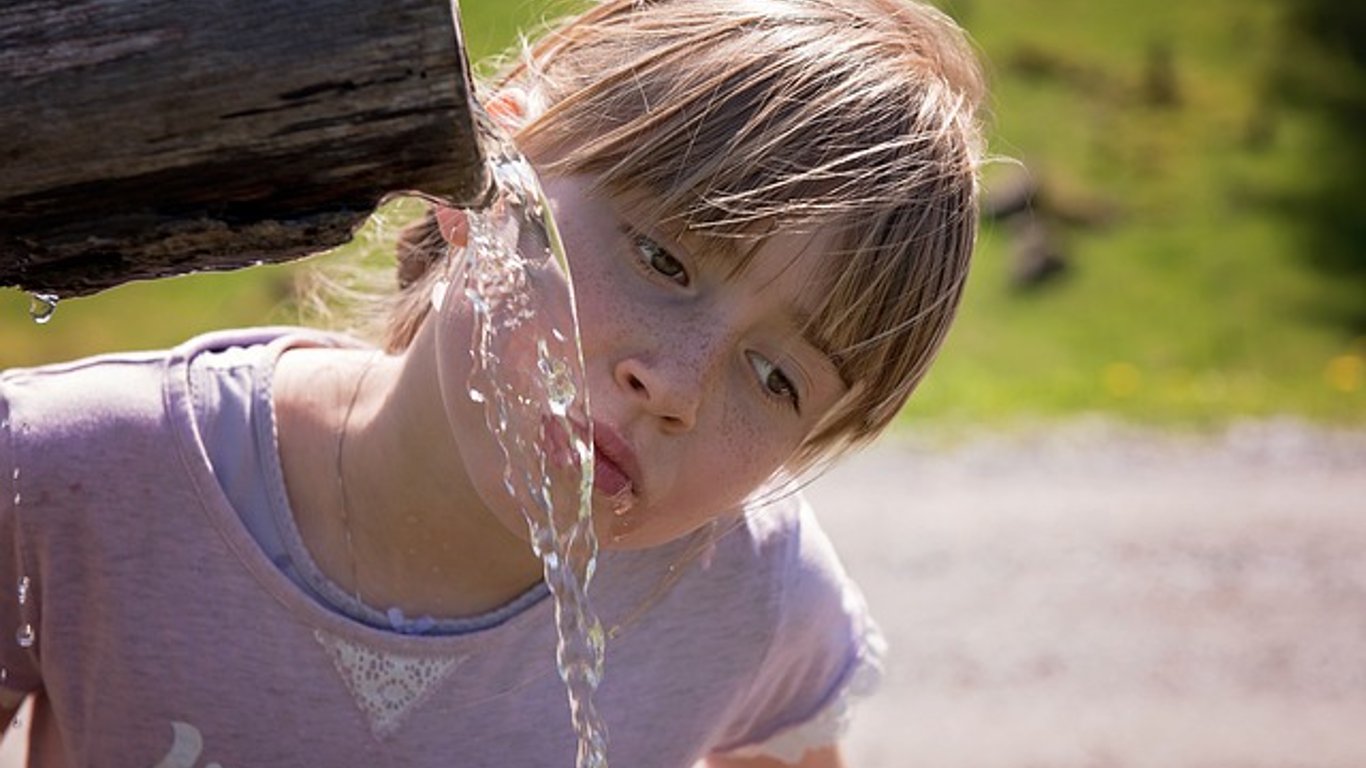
827, 757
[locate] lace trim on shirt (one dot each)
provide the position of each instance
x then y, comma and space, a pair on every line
825, 728
386, 686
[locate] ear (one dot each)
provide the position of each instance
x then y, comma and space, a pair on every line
453, 225
510, 108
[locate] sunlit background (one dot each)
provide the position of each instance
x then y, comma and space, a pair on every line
1148, 550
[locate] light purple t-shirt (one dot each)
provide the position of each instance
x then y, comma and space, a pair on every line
164, 635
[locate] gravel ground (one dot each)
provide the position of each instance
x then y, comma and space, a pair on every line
1094, 596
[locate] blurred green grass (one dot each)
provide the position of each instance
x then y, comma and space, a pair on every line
1190, 302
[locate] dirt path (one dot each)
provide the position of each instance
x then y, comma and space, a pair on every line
1095, 597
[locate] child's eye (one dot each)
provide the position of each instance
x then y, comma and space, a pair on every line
659, 260
775, 382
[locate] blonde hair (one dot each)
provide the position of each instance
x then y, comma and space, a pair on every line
737, 118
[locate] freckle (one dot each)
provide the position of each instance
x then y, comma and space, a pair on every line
76, 488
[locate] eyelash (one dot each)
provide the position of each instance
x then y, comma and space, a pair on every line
648, 251
785, 382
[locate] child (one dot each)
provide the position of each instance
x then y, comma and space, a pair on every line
280, 548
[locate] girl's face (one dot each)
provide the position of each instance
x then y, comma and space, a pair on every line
701, 384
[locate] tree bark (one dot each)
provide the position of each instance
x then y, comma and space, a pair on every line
144, 138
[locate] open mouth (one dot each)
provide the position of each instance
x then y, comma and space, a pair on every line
613, 460
615, 468
608, 478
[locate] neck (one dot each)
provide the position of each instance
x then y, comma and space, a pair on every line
403, 525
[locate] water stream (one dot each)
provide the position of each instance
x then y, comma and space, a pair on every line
528, 374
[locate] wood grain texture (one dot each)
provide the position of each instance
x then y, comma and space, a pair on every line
143, 138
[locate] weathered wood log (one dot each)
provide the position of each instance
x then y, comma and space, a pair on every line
143, 138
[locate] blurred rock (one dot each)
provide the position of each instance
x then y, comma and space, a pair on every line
1035, 253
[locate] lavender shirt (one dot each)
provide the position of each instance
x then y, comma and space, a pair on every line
166, 635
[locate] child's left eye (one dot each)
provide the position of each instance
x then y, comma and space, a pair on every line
658, 259
775, 382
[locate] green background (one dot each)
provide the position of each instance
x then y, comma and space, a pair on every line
1197, 166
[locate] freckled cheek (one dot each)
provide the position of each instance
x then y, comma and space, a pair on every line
744, 449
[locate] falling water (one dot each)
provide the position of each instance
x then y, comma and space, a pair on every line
42, 306
528, 374
25, 635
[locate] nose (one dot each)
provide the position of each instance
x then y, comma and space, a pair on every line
669, 386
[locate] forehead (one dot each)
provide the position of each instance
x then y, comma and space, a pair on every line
797, 265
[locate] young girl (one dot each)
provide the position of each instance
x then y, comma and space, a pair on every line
277, 547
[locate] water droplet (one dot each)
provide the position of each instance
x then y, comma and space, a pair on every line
42, 306
25, 636
23, 590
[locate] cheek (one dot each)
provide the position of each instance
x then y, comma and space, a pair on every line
744, 447
607, 314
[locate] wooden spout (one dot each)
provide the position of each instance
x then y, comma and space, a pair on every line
147, 138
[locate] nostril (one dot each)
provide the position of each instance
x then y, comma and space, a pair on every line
636, 384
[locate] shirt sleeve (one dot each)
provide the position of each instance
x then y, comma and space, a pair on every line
19, 672
825, 654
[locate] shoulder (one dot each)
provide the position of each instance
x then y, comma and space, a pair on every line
121, 416
825, 650
782, 538
776, 574
70, 401
120, 388
809, 579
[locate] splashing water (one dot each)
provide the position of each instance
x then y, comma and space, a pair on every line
528, 374
42, 306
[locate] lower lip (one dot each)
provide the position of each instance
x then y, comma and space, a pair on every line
608, 479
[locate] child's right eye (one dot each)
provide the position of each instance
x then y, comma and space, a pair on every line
658, 260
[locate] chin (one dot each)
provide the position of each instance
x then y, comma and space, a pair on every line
637, 529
